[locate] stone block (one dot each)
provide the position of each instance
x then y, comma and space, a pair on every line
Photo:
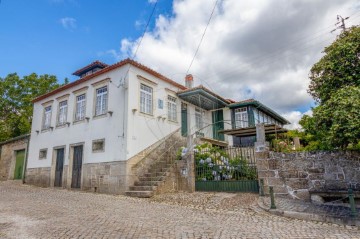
262, 164
267, 174
316, 176
297, 183
275, 182
302, 194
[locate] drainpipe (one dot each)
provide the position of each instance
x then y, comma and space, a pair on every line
26, 159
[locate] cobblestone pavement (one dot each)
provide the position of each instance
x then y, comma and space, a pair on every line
328, 209
31, 212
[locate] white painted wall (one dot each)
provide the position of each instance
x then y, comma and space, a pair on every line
108, 127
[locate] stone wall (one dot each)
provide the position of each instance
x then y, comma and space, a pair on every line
297, 174
38, 176
107, 177
8, 157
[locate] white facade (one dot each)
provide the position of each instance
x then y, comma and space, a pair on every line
125, 109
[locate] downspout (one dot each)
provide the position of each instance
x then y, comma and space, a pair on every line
26, 159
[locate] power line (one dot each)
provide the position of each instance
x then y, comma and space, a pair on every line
202, 37
147, 24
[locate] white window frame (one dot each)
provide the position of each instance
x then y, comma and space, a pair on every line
146, 99
47, 117
101, 100
172, 108
199, 120
80, 107
241, 118
62, 113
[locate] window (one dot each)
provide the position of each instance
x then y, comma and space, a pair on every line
62, 114
146, 104
42, 153
241, 118
160, 104
172, 114
101, 101
80, 107
47, 117
98, 145
198, 118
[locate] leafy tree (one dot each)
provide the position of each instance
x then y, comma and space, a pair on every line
335, 85
16, 95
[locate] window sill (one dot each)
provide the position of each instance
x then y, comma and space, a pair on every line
146, 114
45, 130
78, 121
60, 126
98, 151
173, 122
100, 116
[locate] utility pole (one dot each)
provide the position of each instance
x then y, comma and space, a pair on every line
341, 21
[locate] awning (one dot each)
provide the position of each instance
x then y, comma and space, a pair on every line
251, 131
203, 98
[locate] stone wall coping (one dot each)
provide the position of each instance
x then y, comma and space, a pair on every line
15, 139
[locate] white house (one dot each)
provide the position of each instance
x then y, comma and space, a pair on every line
90, 133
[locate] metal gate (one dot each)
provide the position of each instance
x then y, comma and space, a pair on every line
231, 169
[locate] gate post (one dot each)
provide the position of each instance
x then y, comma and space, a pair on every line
261, 156
190, 165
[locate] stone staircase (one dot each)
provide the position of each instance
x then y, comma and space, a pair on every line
155, 168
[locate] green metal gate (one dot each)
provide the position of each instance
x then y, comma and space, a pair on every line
225, 170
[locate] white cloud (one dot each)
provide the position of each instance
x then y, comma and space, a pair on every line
261, 49
294, 117
152, 1
68, 23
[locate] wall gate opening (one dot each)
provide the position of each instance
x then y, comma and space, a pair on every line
231, 169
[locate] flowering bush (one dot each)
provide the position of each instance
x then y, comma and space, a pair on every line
212, 163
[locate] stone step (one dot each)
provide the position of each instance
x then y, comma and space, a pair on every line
158, 178
148, 183
158, 170
142, 188
156, 174
140, 194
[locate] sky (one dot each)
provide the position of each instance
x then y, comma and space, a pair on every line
261, 49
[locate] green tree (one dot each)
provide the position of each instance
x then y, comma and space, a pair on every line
335, 85
16, 95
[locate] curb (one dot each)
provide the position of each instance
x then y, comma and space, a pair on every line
310, 216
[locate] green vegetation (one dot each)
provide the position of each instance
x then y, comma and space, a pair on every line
16, 95
335, 85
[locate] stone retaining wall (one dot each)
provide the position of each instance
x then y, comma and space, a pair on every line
107, 177
297, 174
38, 176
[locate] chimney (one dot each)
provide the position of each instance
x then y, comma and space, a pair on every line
189, 79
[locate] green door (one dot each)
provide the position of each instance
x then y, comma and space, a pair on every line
184, 130
218, 124
19, 165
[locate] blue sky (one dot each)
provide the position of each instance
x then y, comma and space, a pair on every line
261, 49
59, 36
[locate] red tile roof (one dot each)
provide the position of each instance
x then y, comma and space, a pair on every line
107, 69
93, 64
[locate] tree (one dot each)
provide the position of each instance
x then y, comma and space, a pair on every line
335, 85
16, 101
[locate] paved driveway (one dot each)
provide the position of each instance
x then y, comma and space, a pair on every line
31, 212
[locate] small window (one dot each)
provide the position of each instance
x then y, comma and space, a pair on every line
42, 153
146, 99
101, 101
47, 117
98, 145
160, 104
62, 114
80, 107
172, 114
198, 118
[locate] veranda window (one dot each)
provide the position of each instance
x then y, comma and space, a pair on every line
101, 100
146, 99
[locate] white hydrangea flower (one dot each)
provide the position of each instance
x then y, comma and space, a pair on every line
208, 160
201, 161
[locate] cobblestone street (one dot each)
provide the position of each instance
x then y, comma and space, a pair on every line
31, 212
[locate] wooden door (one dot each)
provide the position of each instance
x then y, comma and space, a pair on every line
59, 167
218, 124
19, 164
77, 166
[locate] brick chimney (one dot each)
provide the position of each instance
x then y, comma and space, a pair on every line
189, 80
